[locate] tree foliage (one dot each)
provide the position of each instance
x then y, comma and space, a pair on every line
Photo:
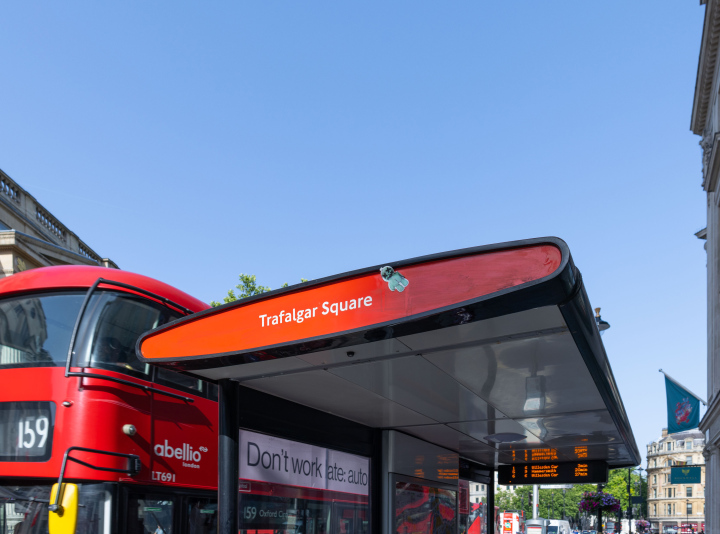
247, 287
551, 500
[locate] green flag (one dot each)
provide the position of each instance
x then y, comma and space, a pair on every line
683, 408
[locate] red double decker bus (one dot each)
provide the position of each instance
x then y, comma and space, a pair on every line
140, 442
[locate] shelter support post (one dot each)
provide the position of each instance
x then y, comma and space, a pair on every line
228, 456
536, 502
491, 504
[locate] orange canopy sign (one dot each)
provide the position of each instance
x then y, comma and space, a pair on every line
349, 303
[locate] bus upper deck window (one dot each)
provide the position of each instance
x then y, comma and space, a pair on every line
112, 325
36, 330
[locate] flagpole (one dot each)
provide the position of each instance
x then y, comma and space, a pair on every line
680, 385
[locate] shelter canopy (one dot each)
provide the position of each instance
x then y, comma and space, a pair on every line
491, 351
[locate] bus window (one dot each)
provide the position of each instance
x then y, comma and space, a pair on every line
172, 379
202, 515
112, 324
150, 514
25, 509
36, 331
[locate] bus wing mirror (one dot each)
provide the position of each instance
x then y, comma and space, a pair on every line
63, 516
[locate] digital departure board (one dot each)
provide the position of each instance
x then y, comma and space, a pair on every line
553, 472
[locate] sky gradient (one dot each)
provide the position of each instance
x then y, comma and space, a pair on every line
192, 142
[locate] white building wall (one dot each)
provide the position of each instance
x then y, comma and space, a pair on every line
705, 122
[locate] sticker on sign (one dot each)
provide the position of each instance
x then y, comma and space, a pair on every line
556, 486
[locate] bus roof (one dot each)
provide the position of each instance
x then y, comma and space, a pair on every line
84, 276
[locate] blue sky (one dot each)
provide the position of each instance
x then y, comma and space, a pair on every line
192, 142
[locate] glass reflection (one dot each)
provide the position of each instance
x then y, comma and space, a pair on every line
284, 509
423, 509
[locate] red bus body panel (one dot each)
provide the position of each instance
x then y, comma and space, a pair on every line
176, 440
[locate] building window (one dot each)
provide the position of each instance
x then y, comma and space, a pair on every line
689, 509
482, 486
688, 491
654, 479
654, 509
688, 460
654, 493
655, 462
477, 487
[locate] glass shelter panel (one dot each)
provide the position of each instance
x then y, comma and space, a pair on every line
421, 509
290, 510
472, 508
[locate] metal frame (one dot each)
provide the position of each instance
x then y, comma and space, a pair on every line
134, 467
76, 328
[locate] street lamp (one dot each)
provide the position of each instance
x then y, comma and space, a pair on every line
601, 325
629, 491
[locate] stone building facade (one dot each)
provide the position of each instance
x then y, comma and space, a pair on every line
669, 506
478, 493
705, 122
31, 236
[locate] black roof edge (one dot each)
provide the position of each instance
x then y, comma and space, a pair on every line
579, 317
530, 295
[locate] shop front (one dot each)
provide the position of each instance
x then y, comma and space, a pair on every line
370, 402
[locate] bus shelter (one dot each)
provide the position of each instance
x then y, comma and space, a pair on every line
382, 399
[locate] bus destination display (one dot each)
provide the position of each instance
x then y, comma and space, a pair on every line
26, 430
554, 472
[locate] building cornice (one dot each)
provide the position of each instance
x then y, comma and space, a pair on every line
711, 160
711, 415
707, 65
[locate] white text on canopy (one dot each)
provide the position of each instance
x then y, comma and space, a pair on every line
281, 461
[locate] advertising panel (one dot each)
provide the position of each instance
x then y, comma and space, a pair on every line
281, 461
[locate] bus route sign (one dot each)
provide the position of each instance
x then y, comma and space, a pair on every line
553, 472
